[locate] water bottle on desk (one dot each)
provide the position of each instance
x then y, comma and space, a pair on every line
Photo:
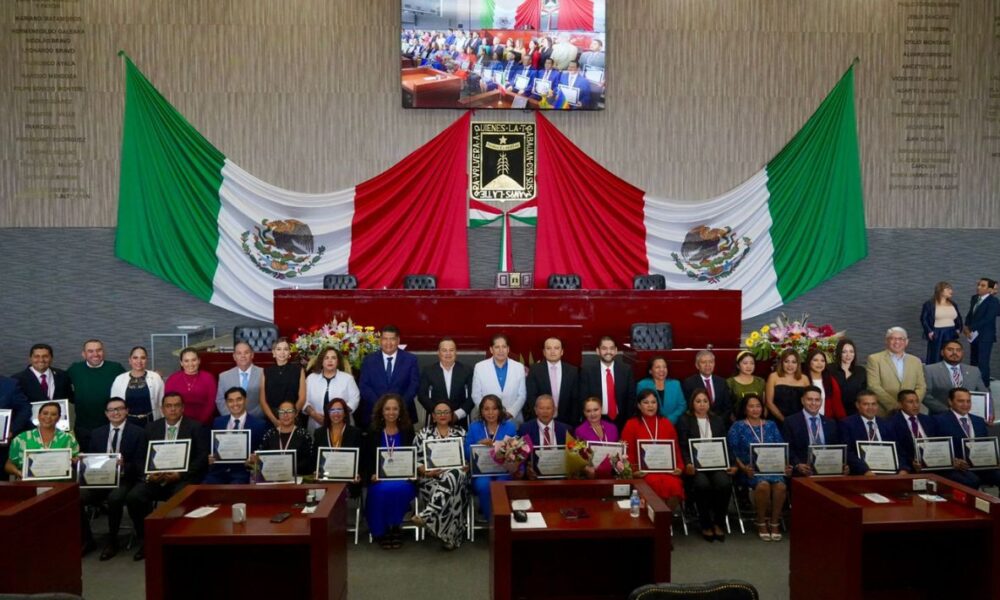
634, 504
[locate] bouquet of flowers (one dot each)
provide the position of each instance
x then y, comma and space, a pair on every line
352, 340
578, 456
770, 341
511, 452
621, 467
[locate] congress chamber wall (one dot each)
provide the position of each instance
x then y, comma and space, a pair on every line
305, 95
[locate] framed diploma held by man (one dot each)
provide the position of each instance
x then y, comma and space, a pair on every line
396, 463
5, 417
231, 445
550, 462
982, 405
828, 460
981, 453
98, 470
482, 463
446, 453
521, 83
603, 450
542, 87
47, 464
168, 456
880, 457
709, 454
337, 464
570, 94
656, 456
769, 459
935, 453
63, 423
275, 466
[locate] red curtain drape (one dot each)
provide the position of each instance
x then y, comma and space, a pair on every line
590, 222
576, 15
411, 218
529, 15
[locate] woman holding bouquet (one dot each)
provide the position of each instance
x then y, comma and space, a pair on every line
492, 426
443, 491
388, 501
647, 424
596, 429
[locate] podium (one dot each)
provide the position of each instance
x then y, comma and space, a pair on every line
40, 529
211, 557
844, 545
604, 555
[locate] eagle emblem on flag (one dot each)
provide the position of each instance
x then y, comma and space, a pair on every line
711, 254
282, 249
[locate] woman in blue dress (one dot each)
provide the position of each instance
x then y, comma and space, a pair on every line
768, 490
388, 501
492, 426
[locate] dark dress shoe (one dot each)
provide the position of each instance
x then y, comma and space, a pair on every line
140, 554
109, 552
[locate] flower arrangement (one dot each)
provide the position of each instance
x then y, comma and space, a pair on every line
352, 340
621, 467
771, 340
511, 452
579, 455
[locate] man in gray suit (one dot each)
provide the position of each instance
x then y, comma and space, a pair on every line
947, 374
245, 375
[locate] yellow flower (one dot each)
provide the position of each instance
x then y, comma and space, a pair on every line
754, 335
765, 329
751, 342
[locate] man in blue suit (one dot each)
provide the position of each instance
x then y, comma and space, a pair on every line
809, 428
544, 430
391, 370
238, 418
524, 69
550, 74
959, 425
982, 322
865, 426
13, 398
117, 437
574, 78
909, 425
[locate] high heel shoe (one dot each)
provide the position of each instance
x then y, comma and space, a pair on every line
763, 532
775, 532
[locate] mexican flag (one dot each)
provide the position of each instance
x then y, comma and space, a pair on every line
788, 228
193, 217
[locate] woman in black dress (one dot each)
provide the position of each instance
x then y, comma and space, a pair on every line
851, 377
284, 380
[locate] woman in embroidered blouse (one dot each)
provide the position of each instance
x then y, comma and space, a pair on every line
596, 429
45, 437
492, 426
444, 494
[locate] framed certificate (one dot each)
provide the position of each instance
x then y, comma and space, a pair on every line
521, 83
63, 423
982, 405
519, 102
828, 460
542, 87
981, 453
550, 462
603, 450
231, 445
482, 463
337, 464
6, 415
570, 94
769, 459
656, 456
935, 453
275, 466
98, 471
478, 69
487, 76
47, 464
446, 453
168, 456
880, 457
594, 74
396, 463
709, 454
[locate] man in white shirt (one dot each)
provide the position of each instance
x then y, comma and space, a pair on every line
40, 381
447, 380
612, 382
557, 378
719, 397
502, 376
893, 369
544, 430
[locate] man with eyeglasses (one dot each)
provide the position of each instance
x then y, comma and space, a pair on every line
117, 437
158, 487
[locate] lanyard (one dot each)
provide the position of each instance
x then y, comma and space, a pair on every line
284, 446
653, 436
759, 438
603, 436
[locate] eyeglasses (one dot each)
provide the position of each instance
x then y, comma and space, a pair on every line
442, 413
336, 411
286, 411
115, 410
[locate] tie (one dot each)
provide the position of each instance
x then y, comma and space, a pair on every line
871, 430
236, 423
978, 302
45, 386
956, 376
114, 441
546, 436
388, 369
815, 430
965, 427
244, 380
914, 427
609, 382
554, 384
708, 388
172, 432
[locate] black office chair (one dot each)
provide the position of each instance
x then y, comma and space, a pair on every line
649, 282
260, 338
722, 589
420, 282
652, 336
566, 281
340, 281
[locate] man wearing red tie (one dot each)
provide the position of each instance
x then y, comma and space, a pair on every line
718, 392
612, 382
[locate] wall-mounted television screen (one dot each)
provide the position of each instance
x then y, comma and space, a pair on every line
505, 54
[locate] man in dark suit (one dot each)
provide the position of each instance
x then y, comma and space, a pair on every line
909, 425
117, 437
610, 381
959, 424
809, 428
12, 398
718, 392
238, 418
550, 74
866, 426
574, 78
447, 380
558, 379
391, 370
40, 381
544, 430
161, 486
982, 322
949, 373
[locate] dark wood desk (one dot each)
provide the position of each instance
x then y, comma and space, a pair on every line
303, 557
494, 99
41, 538
846, 546
545, 560
424, 87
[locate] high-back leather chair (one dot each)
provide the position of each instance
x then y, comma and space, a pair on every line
340, 281
652, 336
260, 337
649, 282
420, 282
564, 281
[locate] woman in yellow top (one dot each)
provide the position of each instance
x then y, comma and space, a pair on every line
45, 437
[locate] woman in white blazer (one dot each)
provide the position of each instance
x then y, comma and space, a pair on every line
140, 388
